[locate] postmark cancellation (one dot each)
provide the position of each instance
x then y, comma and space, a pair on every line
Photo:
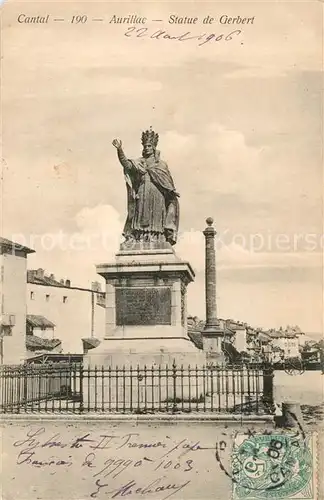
275, 466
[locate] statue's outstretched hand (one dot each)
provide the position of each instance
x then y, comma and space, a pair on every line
176, 194
117, 143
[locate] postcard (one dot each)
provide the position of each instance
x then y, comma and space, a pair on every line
161, 263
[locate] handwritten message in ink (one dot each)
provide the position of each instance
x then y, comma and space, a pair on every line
106, 460
119, 464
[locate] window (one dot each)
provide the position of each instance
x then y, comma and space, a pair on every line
47, 298
64, 299
32, 295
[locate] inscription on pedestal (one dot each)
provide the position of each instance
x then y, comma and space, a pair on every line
143, 306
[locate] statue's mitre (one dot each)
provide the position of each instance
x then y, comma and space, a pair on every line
150, 137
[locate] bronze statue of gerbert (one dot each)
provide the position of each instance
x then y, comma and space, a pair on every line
152, 201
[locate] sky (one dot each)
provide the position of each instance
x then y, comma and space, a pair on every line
240, 125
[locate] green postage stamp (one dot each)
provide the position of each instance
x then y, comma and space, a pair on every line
274, 466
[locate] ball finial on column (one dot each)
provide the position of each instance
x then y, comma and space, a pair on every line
210, 230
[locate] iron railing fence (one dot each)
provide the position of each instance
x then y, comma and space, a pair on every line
68, 388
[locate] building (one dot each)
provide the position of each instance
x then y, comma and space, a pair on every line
299, 334
257, 343
39, 326
13, 265
40, 336
239, 330
240, 341
285, 343
75, 312
196, 327
260, 345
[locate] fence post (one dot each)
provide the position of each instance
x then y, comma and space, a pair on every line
174, 375
2, 379
268, 375
25, 384
81, 408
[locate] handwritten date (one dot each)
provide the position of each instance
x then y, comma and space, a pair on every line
160, 34
115, 466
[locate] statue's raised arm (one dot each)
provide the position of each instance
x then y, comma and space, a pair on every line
121, 155
153, 208
117, 143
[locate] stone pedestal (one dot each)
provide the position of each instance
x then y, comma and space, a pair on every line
212, 344
146, 310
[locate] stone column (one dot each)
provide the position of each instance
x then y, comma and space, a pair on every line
210, 275
213, 333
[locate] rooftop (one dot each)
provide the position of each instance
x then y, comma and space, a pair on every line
281, 334
37, 321
11, 246
34, 343
235, 325
38, 277
90, 343
264, 336
195, 326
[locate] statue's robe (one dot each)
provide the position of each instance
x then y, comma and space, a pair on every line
153, 206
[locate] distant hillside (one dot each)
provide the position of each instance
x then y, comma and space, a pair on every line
315, 335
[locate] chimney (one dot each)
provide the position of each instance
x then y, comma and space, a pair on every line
31, 274
40, 273
62, 282
67, 283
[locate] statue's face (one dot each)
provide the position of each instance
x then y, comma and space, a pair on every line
148, 150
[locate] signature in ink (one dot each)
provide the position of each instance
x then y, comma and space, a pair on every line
159, 485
